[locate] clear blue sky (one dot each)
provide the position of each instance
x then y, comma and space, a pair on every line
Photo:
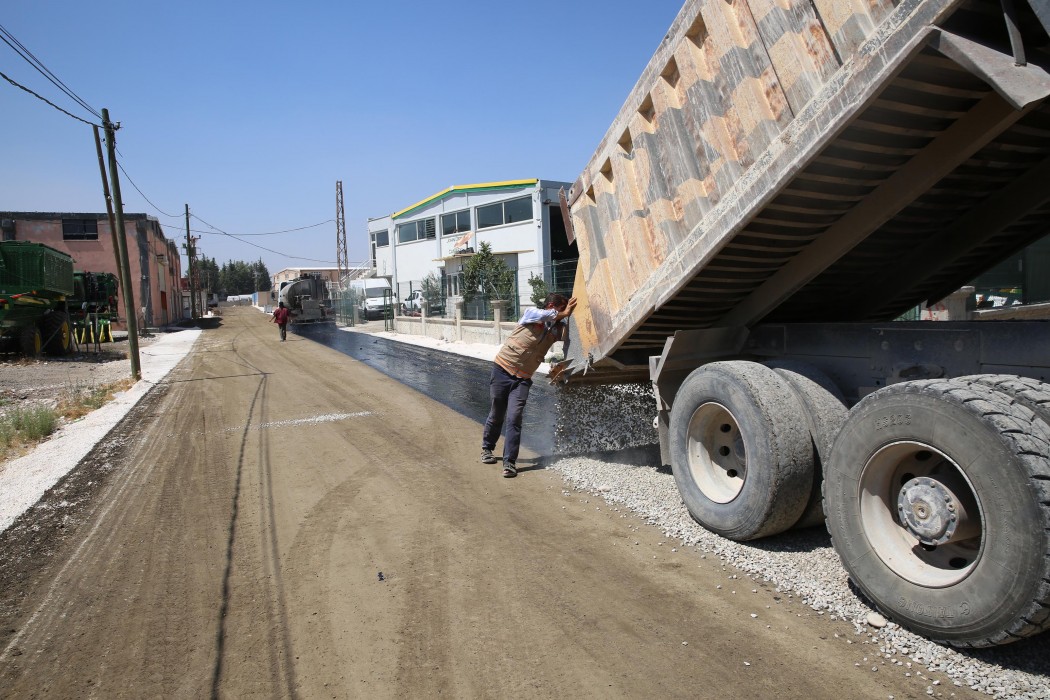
250, 112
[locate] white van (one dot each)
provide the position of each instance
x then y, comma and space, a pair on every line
375, 297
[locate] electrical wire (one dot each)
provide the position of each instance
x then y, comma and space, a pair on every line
119, 165
216, 230
23, 87
32, 60
273, 233
254, 245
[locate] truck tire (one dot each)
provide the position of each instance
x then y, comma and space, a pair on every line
29, 341
1030, 393
54, 330
824, 409
937, 496
740, 450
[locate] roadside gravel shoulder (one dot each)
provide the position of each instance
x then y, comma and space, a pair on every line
25, 479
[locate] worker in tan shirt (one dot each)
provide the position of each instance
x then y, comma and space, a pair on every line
512, 371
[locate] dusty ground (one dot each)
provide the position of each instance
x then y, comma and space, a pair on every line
48, 379
266, 523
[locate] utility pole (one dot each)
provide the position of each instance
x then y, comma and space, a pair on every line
109, 205
190, 254
341, 257
122, 245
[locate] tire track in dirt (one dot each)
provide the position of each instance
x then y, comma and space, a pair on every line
279, 650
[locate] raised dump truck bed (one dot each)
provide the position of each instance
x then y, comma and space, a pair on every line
785, 179
809, 161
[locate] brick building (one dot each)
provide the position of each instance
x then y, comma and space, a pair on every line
153, 259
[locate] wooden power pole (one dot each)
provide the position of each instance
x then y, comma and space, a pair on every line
122, 246
190, 255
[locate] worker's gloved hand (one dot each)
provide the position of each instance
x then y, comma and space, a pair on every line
557, 370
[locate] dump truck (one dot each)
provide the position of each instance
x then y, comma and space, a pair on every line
783, 183
35, 284
308, 299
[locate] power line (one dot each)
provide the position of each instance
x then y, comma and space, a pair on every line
119, 165
254, 245
216, 230
23, 87
32, 60
274, 233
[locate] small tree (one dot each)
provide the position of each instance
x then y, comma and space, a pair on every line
432, 290
539, 290
488, 275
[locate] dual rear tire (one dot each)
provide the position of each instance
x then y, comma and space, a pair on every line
741, 452
937, 496
936, 492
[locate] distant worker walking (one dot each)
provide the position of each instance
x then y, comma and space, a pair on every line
511, 378
280, 317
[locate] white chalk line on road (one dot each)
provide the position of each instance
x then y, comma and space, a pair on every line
316, 420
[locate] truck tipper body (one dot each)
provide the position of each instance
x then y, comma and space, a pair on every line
785, 180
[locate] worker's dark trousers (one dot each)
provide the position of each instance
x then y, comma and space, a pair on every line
508, 394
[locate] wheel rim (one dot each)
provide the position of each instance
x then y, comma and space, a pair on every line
717, 459
920, 514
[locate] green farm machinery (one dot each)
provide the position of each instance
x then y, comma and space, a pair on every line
46, 306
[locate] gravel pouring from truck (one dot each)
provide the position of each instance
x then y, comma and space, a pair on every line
784, 180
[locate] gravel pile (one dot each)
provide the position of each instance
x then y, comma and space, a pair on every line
803, 564
603, 418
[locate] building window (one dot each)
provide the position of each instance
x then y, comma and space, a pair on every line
381, 238
456, 222
508, 212
79, 230
416, 230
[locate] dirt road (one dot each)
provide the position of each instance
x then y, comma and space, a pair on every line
278, 520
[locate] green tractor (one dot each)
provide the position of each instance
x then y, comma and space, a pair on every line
43, 302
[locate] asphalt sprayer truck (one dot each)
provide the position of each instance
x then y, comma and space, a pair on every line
784, 181
308, 299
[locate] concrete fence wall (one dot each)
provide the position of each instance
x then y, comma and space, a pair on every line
455, 329
452, 330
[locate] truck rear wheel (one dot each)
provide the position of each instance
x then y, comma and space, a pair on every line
54, 329
937, 496
824, 409
1030, 393
740, 450
29, 341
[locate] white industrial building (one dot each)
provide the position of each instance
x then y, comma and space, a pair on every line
520, 219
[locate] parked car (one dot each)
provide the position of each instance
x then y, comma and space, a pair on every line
413, 303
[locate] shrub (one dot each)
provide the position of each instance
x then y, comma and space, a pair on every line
33, 423
539, 290
487, 275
